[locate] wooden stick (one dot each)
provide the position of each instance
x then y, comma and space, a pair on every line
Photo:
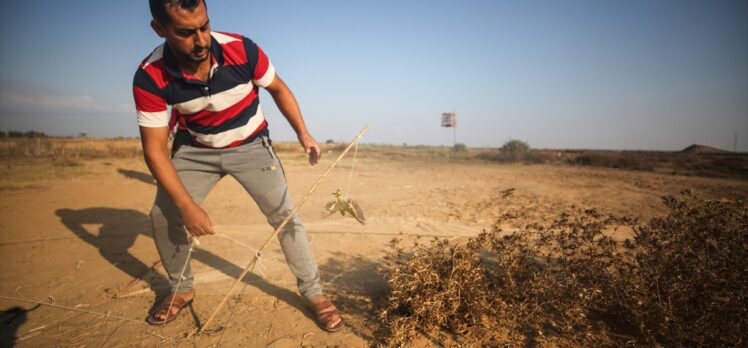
72, 309
45, 239
137, 279
280, 227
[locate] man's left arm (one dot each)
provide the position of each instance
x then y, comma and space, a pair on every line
288, 106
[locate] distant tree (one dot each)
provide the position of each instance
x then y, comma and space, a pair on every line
515, 145
516, 150
3, 134
329, 141
34, 134
15, 134
82, 135
459, 147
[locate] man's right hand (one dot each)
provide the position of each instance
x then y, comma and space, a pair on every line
196, 220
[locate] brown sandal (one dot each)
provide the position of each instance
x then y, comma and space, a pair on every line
327, 315
165, 307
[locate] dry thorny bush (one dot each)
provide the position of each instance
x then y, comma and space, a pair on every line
679, 281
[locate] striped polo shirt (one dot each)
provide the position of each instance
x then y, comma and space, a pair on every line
221, 113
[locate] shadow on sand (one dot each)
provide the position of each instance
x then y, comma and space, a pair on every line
120, 228
358, 289
136, 175
10, 320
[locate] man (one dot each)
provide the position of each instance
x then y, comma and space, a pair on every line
211, 80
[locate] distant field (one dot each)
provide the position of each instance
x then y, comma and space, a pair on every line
693, 161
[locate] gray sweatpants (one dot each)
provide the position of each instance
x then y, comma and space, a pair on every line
256, 167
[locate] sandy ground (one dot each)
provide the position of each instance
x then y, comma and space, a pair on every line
76, 240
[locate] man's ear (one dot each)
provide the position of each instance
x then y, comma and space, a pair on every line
158, 28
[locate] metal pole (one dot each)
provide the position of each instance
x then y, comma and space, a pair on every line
454, 130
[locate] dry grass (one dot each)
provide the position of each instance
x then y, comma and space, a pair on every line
680, 281
29, 159
68, 148
73, 152
722, 165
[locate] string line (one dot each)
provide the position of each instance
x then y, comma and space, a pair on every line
350, 175
181, 276
105, 315
235, 241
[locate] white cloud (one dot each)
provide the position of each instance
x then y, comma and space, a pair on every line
37, 100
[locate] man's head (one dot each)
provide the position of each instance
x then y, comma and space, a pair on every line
185, 26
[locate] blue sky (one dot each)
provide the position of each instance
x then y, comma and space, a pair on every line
642, 74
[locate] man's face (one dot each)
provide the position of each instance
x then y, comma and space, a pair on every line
188, 32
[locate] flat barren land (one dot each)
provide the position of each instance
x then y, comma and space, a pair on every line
75, 232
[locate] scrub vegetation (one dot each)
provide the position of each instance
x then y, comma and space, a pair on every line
679, 280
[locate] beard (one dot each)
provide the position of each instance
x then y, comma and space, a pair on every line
193, 55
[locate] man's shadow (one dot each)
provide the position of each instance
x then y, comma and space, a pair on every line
10, 320
120, 228
136, 175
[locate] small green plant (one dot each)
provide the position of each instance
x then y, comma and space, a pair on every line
459, 147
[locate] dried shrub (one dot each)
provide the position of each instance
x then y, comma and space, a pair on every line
622, 160
692, 274
436, 287
680, 281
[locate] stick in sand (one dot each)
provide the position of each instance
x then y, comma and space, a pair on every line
280, 227
135, 280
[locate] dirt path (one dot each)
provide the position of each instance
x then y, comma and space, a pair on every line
75, 240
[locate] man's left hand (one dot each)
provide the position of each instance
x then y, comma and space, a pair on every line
310, 147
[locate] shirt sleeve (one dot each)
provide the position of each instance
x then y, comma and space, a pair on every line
263, 72
149, 104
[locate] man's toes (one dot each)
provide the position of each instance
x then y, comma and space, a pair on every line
165, 313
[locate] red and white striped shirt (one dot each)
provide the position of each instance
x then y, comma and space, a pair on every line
221, 113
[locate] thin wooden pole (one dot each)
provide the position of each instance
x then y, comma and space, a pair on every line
72, 309
135, 280
252, 263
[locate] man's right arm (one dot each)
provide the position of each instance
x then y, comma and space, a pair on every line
156, 153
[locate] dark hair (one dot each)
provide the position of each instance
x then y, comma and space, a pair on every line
158, 8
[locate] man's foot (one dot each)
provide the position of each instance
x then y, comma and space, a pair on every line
327, 315
170, 307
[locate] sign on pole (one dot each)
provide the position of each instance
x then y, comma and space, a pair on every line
449, 120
